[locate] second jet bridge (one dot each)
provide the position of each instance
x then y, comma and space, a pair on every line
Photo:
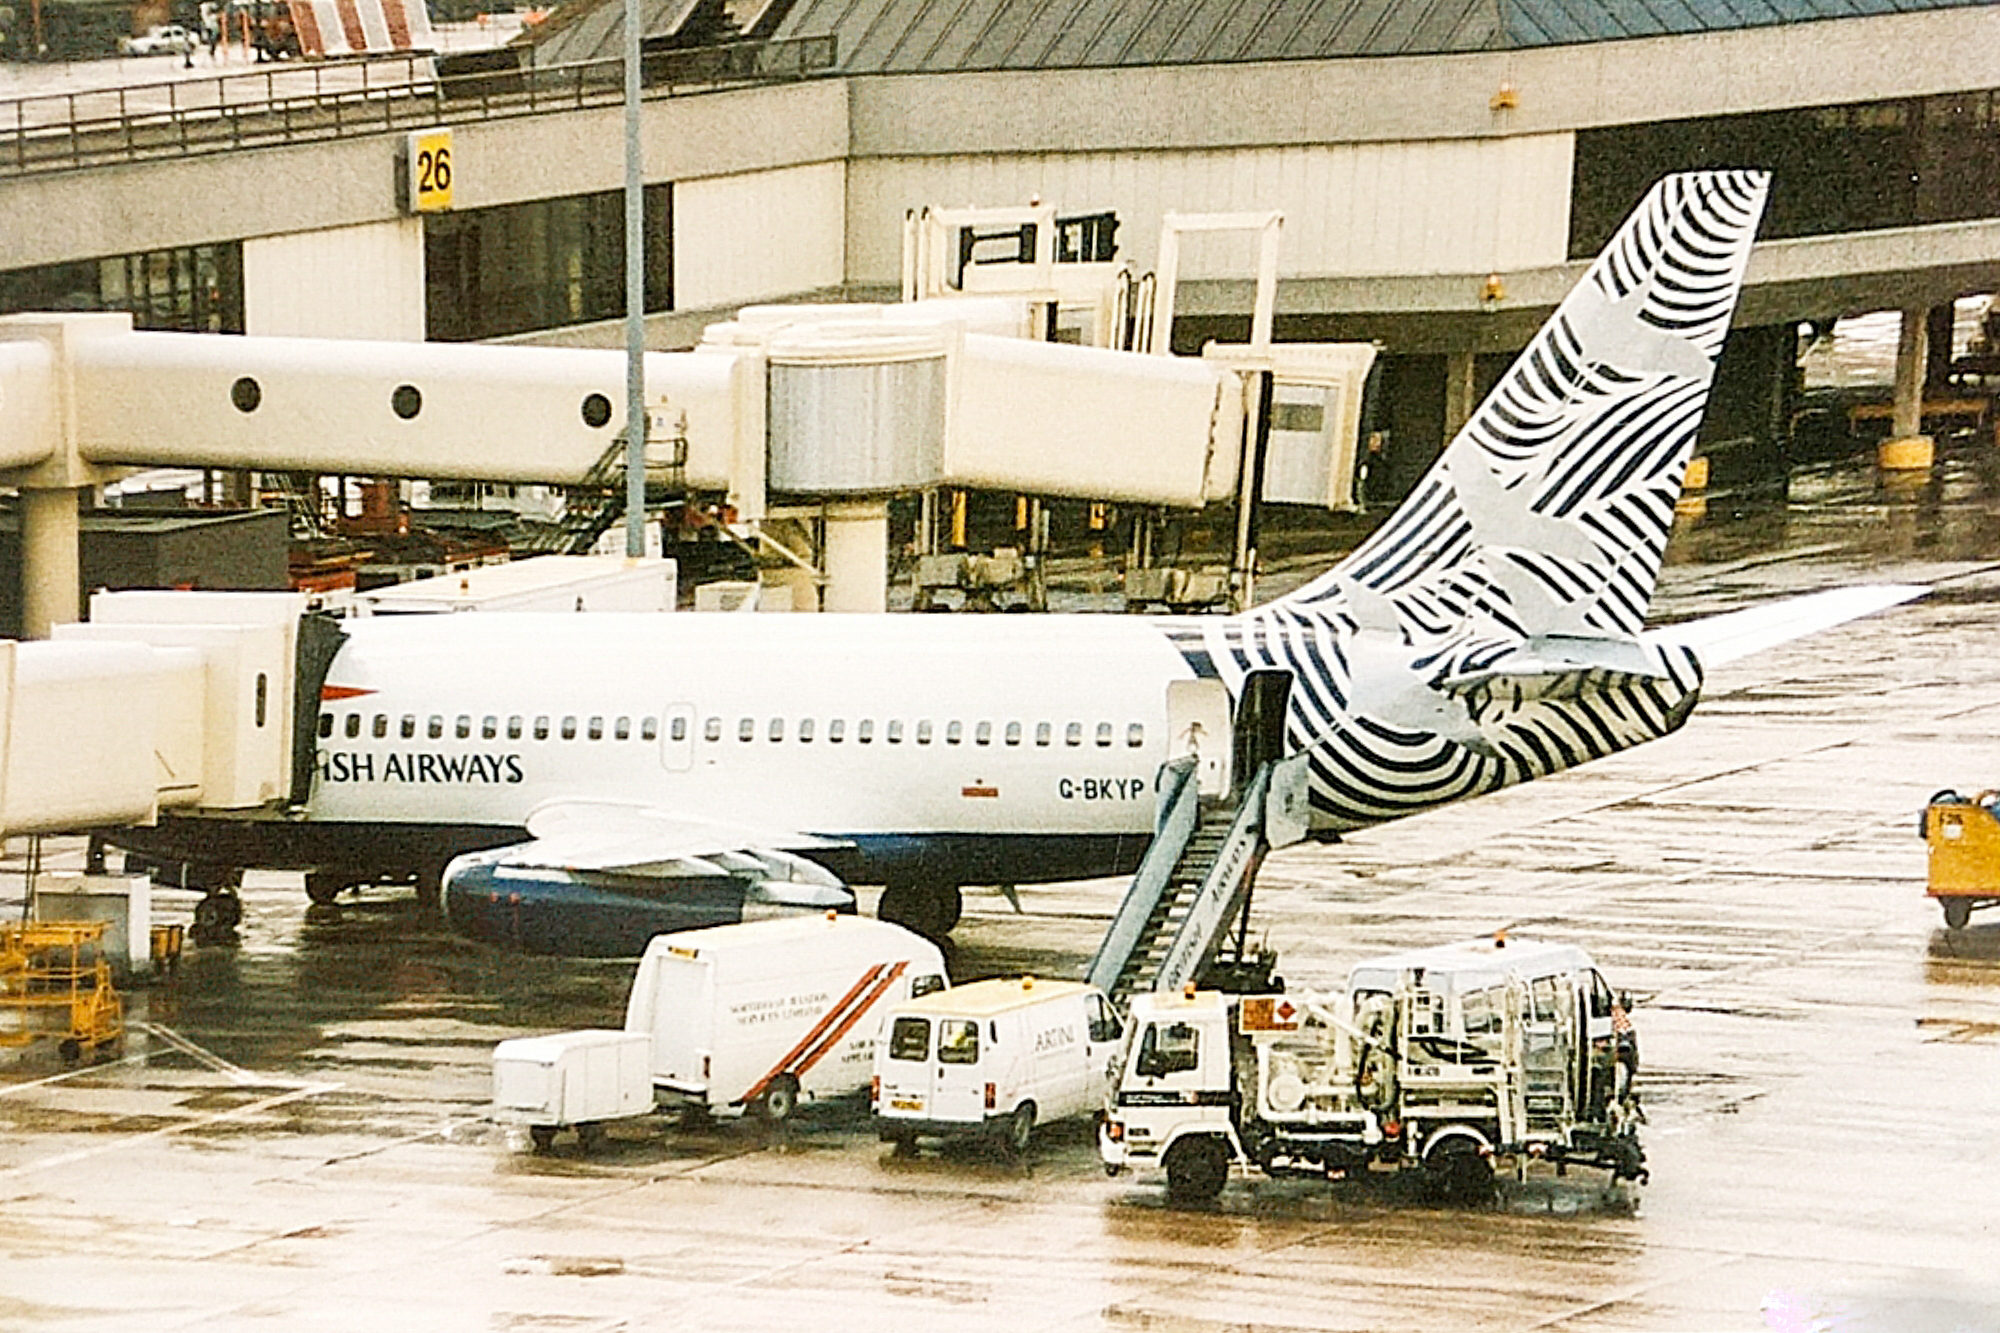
1210, 837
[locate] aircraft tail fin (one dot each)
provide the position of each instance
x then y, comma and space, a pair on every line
1551, 509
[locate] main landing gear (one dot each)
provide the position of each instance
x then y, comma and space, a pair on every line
931, 910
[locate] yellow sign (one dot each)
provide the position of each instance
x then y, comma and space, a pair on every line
428, 170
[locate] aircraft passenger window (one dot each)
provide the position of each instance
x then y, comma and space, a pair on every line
379, 728
464, 726
896, 731
649, 728
924, 732
1041, 733
1104, 733
489, 727
1073, 734
678, 731
514, 727
954, 732
1013, 733
836, 730
958, 1042
805, 729
746, 728
597, 728
325, 725
569, 727
777, 729
622, 729
711, 730
353, 727
865, 732
983, 734
1135, 735
434, 728
541, 728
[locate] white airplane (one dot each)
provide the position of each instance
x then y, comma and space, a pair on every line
599, 779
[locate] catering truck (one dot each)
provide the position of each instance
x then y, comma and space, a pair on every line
1452, 1060
746, 1018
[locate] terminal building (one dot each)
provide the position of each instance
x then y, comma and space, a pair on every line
1444, 171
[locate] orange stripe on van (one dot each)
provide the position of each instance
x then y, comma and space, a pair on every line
826, 1020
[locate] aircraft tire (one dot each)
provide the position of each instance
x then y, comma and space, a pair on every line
931, 910
322, 888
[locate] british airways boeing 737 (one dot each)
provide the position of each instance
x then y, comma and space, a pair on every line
598, 778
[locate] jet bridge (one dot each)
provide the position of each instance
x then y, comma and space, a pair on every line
1173, 926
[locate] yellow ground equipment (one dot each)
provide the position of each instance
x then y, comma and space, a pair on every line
1963, 835
55, 983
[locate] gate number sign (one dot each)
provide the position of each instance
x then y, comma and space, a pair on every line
427, 171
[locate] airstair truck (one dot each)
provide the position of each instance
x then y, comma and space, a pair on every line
1451, 1060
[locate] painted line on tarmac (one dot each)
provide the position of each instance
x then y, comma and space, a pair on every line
132, 1141
235, 1073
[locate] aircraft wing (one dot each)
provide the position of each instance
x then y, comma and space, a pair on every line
1736, 634
615, 835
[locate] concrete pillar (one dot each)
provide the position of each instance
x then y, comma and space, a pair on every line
51, 575
1460, 388
857, 556
1907, 447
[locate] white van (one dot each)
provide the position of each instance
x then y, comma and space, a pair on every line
993, 1057
756, 1015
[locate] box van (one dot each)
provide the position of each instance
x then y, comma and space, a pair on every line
757, 1015
993, 1057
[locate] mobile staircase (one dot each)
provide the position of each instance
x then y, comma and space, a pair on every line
1175, 922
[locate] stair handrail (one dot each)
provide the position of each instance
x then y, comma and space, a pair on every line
1174, 822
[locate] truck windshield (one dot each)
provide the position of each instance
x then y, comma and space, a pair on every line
958, 1042
910, 1039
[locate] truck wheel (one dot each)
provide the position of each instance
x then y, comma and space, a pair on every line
1020, 1127
1957, 911
780, 1099
1459, 1176
542, 1136
1197, 1169
590, 1137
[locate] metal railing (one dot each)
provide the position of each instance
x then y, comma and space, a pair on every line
300, 102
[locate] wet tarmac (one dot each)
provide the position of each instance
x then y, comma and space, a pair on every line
295, 1138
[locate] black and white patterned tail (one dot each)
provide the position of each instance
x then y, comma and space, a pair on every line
1565, 478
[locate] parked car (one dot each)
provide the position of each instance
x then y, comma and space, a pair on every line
169, 39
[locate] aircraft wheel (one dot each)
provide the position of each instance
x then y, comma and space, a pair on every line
1957, 911
779, 1100
1197, 1169
322, 888
930, 910
216, 915
542, 1136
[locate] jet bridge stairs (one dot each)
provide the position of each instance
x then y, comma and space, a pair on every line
1192, 889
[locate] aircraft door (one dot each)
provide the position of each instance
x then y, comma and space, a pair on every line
677, 738
1198, 723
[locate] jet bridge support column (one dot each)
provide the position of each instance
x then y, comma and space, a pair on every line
1908, 448
857, 556
51, 576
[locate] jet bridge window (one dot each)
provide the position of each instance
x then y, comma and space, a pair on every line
489, 727
353, 725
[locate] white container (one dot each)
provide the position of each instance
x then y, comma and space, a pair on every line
759, 1015
574, 1080
994, 1057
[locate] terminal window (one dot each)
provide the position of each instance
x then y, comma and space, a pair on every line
188, 289
541, 264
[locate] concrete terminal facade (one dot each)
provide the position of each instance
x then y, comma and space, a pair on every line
1442, 184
